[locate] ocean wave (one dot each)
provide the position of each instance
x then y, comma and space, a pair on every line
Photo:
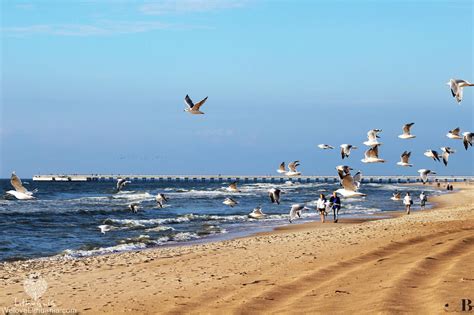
102, 250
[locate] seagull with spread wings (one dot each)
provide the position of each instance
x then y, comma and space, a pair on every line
372, 155
405, 159
454, 134
233, 187
20, 191
296, 210
457, 88
424, 174
432, 154
446, 152
274, 195
372, 137
194, 108
346, 150
350, 184
467, 139
292, 171
406, 132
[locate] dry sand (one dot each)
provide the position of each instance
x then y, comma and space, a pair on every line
422, 263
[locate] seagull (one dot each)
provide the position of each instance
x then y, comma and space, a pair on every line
396, 196
194, 108
104, 228
281, 169
372, 137
454, 134
467, 139
446, 152
230, 202
350, 184
292, 171
325, 146
133, 207
343, 170
424, 174
121, 182
257, 213
233, 187
457, 87
20, 192
432, 154
406, 132
274, 195
161, 199
372, 155
346, 150
404, 161
296, 210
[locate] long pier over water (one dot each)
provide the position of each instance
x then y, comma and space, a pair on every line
240, 178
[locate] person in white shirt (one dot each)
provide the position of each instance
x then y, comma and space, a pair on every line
407, 202
423, 200
321, 207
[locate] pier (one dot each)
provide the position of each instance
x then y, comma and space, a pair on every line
239, 178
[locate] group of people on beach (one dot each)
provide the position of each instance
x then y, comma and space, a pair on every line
408, 201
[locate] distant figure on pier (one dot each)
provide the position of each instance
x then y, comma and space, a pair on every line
423, 200
407, 201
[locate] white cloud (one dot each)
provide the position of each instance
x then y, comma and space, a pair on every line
183, 6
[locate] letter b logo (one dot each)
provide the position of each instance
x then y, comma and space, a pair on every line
466, 305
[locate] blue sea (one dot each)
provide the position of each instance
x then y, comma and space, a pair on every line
64, 218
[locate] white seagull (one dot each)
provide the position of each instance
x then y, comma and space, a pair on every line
372, 155
350, 184
161, 199
20, 192
406, 132
372, 137
405, 159
457, 88
454, 134
295, 211
257, 213
446, 152
396, 196
121, 182
281, 169
104, 228
274, 195
424, 174
133, 207
346, 150
233, 187
467, 139
325, 146
230, 202
292, 171
194, 108
432, 154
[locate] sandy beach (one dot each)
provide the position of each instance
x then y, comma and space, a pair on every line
421, 263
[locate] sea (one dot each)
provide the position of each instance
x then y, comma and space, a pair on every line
64, 218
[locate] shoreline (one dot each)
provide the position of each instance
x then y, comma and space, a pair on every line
257, 273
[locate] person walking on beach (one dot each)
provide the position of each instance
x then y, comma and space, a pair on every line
423, 200
407, 201
335, 202
321, 207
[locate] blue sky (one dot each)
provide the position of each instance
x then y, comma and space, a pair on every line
98, 86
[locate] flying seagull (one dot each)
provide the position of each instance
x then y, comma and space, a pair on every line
404, 159
133, 207
104, 228
406, 132
372, 155
161, 199
20, 191
233, 187
292, 171
121, 182
350, 184
467, 139
295, 211
346, 150
372, 137
424, 174
230, 202
432, 154
446, 152
454, 134
457, 88
281, 169
256, 213
194, 108
325, 146
274, 195
396, 196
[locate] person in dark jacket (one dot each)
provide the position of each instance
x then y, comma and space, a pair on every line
335, 202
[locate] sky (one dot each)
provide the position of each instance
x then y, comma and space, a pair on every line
98, 86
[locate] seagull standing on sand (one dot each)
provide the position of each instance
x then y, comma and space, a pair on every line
350, 184
20, 192
325, 146
372, 155
194, 108
372, 137
292, 171
295, 211
432, 154
230, 202
406, 132
257, 213
457, 88
121, 182
424, 174
274, 195
281, 169
161, 199
346, 150
446, 152
454, 134
467, 139
404, 159
233, 187
133, 207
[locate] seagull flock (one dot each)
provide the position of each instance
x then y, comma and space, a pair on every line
350, 183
